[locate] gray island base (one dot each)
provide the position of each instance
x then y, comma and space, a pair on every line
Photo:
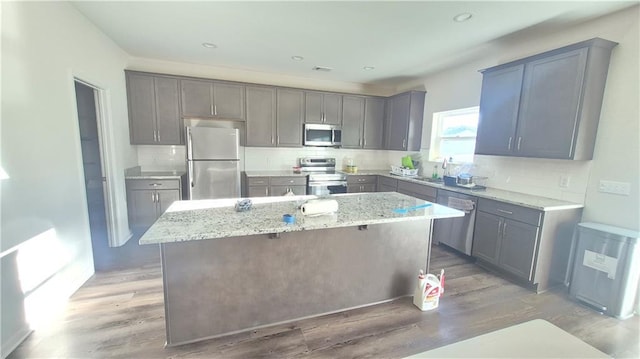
364, 255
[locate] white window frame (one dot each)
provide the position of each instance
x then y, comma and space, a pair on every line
436, 133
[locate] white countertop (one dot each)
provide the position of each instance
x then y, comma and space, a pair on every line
135, 173
210, 219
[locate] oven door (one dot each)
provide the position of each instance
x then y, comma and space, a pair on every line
326, 188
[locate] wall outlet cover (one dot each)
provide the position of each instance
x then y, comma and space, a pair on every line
622, 188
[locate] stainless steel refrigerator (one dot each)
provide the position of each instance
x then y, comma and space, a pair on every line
213, 162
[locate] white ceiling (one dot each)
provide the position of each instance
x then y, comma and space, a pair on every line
402, 40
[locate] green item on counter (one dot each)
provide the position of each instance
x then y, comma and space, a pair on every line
407, 162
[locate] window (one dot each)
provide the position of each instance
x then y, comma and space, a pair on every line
454, 135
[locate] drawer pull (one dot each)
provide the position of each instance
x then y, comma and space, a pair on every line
505, 212
155, 184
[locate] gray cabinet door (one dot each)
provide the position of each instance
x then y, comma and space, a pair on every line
261, 116
332, 108
228, 101
168, 122
499, 104
165, 199
398, 122
141, 206
486, 236
373, 137
282, 190
289, 116
197, 98
352, 121
313, 107
258, 191
550, 103
142, 110
517, 248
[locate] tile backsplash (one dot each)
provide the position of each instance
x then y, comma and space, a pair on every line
541, 177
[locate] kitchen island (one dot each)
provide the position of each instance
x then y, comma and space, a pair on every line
226, 272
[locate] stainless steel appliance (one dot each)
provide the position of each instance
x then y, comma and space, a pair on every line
323, 178
456, 232
213, 162
322, 135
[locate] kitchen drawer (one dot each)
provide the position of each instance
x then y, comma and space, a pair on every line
387, 183
288, 181
258, 181
511, 211
361, 179
424, 190
143, 184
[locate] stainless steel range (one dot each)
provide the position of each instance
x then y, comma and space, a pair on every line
323, 177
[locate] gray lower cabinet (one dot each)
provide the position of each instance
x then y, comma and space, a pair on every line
276, 186
322, 107
148, 199
404, 117
212, 99
289, 115
386, 184
154, 109
545, 106
361, 183
527, 245
417, 190
261, 116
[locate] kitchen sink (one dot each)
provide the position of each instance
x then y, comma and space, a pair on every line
429, 179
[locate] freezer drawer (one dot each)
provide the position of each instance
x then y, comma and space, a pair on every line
214, 179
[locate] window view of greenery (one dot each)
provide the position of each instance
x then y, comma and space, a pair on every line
454, 135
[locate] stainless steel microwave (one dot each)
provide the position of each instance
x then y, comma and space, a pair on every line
322, 135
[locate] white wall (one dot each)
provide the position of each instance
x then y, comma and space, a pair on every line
617, 152
44, 45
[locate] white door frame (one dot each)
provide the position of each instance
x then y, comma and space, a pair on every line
106, 158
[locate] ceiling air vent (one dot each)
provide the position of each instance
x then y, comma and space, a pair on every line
322, 68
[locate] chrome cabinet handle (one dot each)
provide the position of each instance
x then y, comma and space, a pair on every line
153, 197
499, 227
364, 142
266, 191
519, 141
503, 211
155, 184
509, 145
158, 136
215, 110
504, 228
272, 139
404, 143
211, 109
278, 140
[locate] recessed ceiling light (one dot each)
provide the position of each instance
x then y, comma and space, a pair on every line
462, 17
209, 45
297, 58
368, 68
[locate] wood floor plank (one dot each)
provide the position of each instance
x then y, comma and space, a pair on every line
120, 314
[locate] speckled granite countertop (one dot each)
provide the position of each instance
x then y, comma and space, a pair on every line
521, 199
137, 173
275, 174
209, 219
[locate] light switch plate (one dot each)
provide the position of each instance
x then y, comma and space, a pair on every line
623, 188
564, 181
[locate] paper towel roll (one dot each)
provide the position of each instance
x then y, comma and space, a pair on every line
316, 208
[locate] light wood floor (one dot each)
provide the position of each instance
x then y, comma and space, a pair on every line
121, 314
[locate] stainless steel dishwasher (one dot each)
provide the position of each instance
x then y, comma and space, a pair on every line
457, 232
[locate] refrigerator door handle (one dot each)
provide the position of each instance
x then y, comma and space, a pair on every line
190, 169
189, 145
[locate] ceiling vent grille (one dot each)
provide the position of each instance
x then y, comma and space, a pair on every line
322, 68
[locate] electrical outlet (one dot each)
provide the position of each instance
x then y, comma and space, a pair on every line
623, 188
564, 181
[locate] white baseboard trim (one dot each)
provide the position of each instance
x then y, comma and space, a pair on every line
12, 343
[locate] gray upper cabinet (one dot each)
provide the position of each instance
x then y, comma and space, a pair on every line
261, 116
373, 137
499, 104
352, 121
545, 106
404, 117
154, 109
321, 107
289, 114
212, 99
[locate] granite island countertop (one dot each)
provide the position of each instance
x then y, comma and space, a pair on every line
210, 219
517, 198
